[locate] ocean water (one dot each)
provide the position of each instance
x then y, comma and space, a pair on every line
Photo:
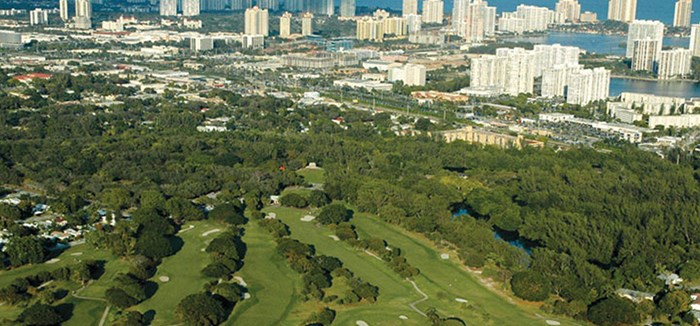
594, 43
646, 9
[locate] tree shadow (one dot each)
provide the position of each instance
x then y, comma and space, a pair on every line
98, 269
150, 288
148, 316
176, 243
65, 310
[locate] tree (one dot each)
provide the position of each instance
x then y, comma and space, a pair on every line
116, 198
119, 298
424, 124
675, 302
324, 317
183, 210
318, 198
614, 311
230, 291
201, 310
227, 213
154, 245
40, 314
531, 286
294, 200
334, 214
25, 250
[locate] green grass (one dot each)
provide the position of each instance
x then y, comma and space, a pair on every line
312, 175
442, 280
184, 270
273, 285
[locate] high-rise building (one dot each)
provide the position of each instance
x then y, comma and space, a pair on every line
241, 4
570, 9
645, 54
695, 40
588, 85
272, 5
645, 29
510, 70
622, 10
190, 8
321, 7
674, 63
414, 75
307, 20
285, 25
10, 39
537, 18
63, 9
410, 7
433, 11
168, 7
473, 20
555, 79
38, 16
589, 17
510, 22
347, 8
554, 54
83, 14
413, 23
684, 9
256, 21
213, 5
395, 26
370, 29
201, 44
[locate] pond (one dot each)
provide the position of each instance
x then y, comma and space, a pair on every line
511, 238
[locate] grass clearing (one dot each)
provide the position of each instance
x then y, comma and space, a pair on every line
312, 175
184, 270
273, 285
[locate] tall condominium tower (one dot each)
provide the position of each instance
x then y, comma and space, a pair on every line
168, 7
622, 10
286, 25
570, 9
347, 8
410, 7
256, 21
307, 20
695, 40
681, 18
63, 8
190, 8
433, 11
642, 30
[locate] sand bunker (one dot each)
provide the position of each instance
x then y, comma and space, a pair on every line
402, 317
240, 281
553, 323
210, 232
164, 279
460, 300
445, 256
308, 218
361, 323
334, 237
53, 261
76, 254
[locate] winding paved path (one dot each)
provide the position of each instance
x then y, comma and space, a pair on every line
425, 297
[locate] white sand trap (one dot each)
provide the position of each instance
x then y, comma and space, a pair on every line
164, 279
271, 216
460, 300
553, 323
402, 317
203, 249
76, 254
210, 232
445, 256
308, 218
334, 237
240, 281
361, 323
246, 296
53, 261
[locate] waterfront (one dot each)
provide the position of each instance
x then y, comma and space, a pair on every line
593, 43
684, 89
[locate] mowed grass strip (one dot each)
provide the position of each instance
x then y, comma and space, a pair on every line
184, 272
273, 285
312, 175
395, 293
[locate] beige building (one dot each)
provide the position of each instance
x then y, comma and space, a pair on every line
684, 9
570, 9
479, 136
307, 20
256, 21
622, 10
370, 29
190, 8
410, 7
285, 25
589, 17
695, 40
433, 11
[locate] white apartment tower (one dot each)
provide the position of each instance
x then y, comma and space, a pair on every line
570, 9
511, 70
38, 16
555, 54
168, 7
347, 8
83, 14
473, 19
414, 23
645, 54
681, 17
645, 29
588, 85
535, 18
63, 10
695, 40
256, 21
414, 75
285, 25
370, 29
433, 11
555, 79
410, 7
622, 10
190, 8
674, 63
307, 20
